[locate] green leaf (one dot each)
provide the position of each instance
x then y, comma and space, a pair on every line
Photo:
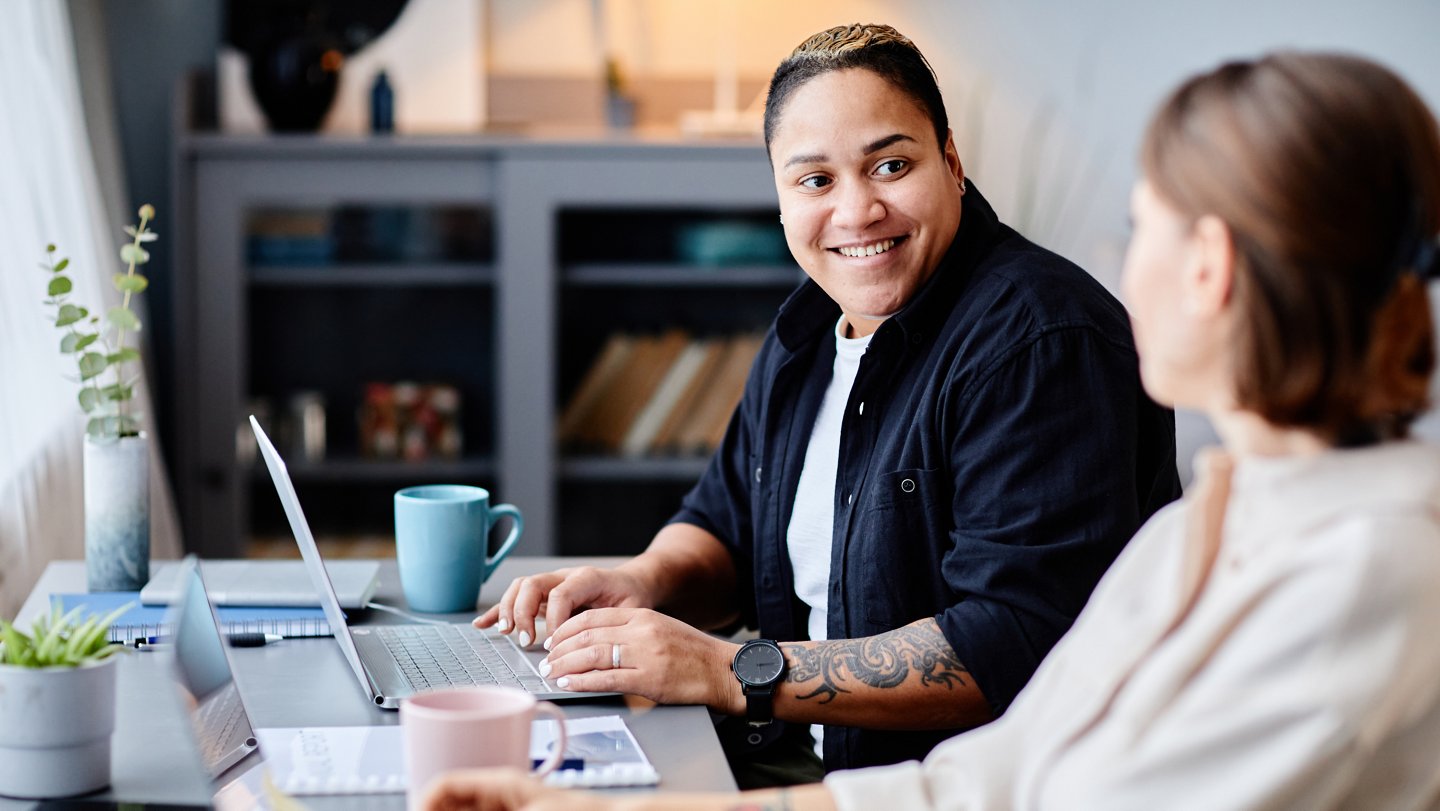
96, 641
69, 314
89, 399
117, 392
59, 286
125, 355
17, 644
95, 428
91, 364
61, 265
132, 254
126, 425
76, 341
122, 318
131, 283
76, 643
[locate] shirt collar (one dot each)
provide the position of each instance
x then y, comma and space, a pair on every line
808, 311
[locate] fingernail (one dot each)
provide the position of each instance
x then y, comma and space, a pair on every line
524, 639
503, 625
563, 683
545, 669
547, 641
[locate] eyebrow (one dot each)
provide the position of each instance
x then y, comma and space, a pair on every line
869, 149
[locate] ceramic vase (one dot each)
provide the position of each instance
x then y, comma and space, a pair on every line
117, 513
294, 81
55, 729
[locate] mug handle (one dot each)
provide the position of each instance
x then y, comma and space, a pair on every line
496, 512
557, 754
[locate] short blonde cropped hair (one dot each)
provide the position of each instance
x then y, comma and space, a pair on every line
877, 48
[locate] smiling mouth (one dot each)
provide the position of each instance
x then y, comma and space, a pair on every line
869, 249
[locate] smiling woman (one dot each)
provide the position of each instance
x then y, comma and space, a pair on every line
942, 445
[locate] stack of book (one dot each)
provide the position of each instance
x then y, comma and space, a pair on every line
658, 395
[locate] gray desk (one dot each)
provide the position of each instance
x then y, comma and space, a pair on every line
305, 682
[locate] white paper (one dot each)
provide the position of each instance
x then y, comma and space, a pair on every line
369, 760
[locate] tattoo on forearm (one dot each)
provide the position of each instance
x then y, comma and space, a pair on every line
781, 802
882, 661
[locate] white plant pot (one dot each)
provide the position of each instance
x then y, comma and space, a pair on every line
117, 513
55, 728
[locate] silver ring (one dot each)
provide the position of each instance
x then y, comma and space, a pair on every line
615, 657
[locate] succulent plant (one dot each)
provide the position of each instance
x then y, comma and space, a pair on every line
58, 641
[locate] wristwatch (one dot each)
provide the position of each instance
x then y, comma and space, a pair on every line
759, 665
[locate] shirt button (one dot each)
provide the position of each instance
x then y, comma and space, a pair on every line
850, 499
908, 485
916, 338
757, 475
862, 408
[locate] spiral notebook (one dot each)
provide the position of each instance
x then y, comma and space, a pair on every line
143, 621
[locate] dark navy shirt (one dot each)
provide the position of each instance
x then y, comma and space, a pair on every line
996, 453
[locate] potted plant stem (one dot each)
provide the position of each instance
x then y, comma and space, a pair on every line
117, 481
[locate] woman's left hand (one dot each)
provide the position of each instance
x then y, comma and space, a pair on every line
503, 790
645, 653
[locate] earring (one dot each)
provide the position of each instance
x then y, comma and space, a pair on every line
782, 219
962, 187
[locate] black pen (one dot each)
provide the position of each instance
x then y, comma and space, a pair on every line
240, 640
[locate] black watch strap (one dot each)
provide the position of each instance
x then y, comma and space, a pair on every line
759, 705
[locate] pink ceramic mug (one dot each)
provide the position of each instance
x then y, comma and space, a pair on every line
469, 728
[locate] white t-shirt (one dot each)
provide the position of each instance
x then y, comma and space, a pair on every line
811, 531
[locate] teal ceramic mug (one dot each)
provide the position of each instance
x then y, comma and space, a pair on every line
442, 537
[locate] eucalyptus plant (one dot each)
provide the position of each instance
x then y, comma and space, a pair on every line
57, 641
100, 346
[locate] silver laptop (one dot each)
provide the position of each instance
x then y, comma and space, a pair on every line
393, 662
204, 677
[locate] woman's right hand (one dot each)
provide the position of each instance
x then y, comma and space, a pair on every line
561, 594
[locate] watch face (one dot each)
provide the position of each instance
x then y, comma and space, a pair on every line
759, 664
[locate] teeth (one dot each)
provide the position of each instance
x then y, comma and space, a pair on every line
868, 250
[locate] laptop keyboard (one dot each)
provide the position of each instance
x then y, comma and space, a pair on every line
448, 655
215, 721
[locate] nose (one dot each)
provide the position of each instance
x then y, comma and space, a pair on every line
856, 206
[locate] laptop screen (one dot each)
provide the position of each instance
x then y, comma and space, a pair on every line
310, 553
204, 678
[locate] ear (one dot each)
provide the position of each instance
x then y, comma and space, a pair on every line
1210, 274
952, 157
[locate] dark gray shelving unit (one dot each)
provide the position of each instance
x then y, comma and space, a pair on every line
514, 329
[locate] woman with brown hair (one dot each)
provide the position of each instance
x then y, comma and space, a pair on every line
1273, 640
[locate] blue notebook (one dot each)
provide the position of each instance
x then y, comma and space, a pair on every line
149, 620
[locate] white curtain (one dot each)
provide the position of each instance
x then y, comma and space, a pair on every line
51, 192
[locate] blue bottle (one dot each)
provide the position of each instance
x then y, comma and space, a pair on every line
382, 104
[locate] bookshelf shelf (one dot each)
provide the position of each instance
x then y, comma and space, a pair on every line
375, 275
376, 471
672, 275
615, 468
